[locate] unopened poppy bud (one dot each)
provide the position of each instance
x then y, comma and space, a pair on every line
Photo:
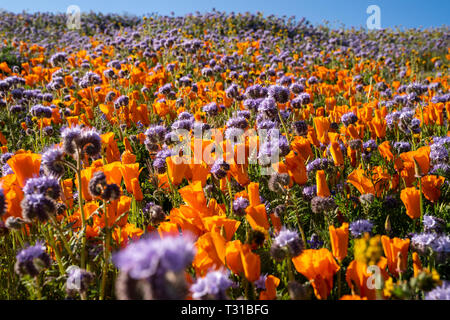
417, 169
387, 225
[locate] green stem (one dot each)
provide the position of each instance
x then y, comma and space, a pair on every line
63, 238
38, 287
83, 218
57, 254
106, 255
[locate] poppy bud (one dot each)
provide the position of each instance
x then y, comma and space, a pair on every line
387, 225
417, 169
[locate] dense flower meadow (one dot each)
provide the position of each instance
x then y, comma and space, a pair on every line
346, 196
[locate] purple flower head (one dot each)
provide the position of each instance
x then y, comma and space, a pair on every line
359, 227
239, 206
440, 293
41, 111
213, 285
45, 185
315, 242
211, 109
309, 192
51, 162
349, 118
431, 223
122, 101
182, 125
145, 257
290, 240
156, 134
232, 91
285, 237
439, 152
297, 88
219, 169
256, 92
402, 146
317, 164
268, 107
423, 242
238, 122
261, 282
253, 104
370, 145
78, 280
279, 93
32, 260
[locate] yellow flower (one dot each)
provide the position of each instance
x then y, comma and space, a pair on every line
368, 250
388, 287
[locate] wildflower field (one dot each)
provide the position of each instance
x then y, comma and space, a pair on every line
222, 156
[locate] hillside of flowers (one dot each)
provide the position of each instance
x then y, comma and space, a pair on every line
133, 164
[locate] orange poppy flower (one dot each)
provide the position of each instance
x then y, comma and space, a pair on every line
358, 179
207, 256
25, 166
411, 200
128, 232
194, 196
13, 195
270, 293
322, 125
322, 186
168, 228
421, 156
358, 274
253, 194
431, 187
385, 150
257, 216
112, 171
229, 226
241, 260
129, 172
396, 251
176, 169
296, 168
339, 241
136, 188
319, 267
336, 153
128, 157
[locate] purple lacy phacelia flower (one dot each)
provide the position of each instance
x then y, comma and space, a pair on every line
213, 285
143, 258
359, 227
440, 293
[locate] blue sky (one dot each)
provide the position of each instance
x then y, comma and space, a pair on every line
404, 13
